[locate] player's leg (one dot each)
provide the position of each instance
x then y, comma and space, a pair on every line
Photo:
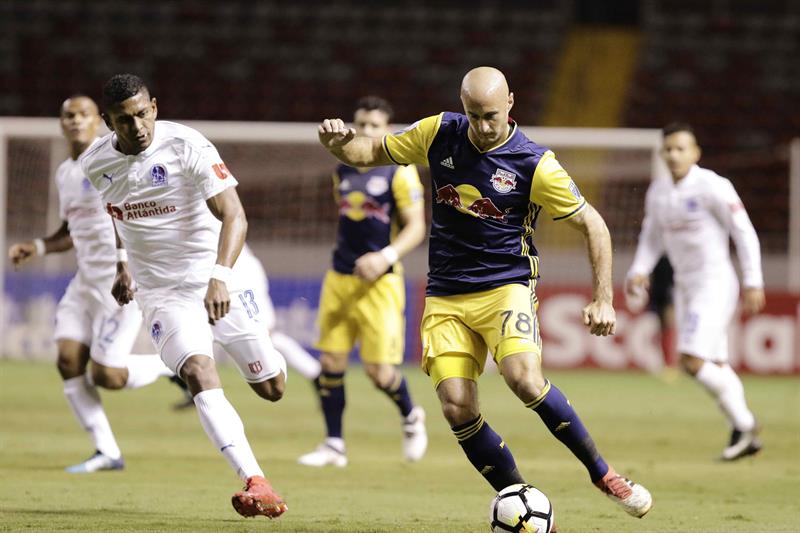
506, 317
380, 319
336, 339
296, 356
704, 317
183, 337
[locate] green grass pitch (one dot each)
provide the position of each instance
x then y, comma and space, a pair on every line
665, 435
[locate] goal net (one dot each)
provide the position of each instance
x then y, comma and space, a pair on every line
286, 189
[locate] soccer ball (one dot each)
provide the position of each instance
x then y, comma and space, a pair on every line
521, 508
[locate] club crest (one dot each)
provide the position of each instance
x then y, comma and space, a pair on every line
155, 331
503, 181
255, 367
158, 173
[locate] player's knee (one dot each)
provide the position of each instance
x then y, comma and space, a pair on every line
382, 376
691, 364
109, 378
200, 373
458, 411
69, 366
523, 375
272, 389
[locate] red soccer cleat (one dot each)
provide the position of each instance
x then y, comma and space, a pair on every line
632, 497
258, 498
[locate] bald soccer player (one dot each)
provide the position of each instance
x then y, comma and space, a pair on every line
489, 185
89, 323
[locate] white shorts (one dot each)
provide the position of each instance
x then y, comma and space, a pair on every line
249, 269
179, 328
703, 315
89, 314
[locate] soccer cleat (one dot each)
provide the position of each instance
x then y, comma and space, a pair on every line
258, 499
96, 463
632, 497
326, 454
187, 400
742, 444
415, 438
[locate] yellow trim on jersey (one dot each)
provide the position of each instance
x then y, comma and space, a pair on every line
527, 226
508, 138
406, 187
553, 189
411, 145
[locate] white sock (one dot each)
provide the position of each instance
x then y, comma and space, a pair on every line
726, 387
85, 403
337, 443
225, 429
297, 357
144, 370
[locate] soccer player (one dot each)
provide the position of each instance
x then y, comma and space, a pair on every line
489, 185
692, 217
381, 218
89, 323
179, 218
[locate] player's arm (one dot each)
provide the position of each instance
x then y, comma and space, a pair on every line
122, 288
649, 250
553, 189
22, 252
599, 315
227, 207
730, 210
349, 148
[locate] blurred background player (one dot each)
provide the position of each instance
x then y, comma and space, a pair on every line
177, 213
692, 217
381, 218
89, 323
490, 182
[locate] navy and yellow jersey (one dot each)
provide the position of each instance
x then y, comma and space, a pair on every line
370, 201
485, 204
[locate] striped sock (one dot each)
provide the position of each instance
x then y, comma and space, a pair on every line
488, 453
565, 425
330, 386
398, 393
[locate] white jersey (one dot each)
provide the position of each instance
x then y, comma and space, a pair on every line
158, 201
89, 225
692, 221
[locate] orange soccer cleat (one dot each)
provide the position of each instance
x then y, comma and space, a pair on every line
632, 497
258, 498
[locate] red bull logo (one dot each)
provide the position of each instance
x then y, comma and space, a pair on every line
503, 181
358, 206
467, 199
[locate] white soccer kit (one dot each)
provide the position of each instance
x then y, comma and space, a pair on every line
158, 201
692, 221
88, 313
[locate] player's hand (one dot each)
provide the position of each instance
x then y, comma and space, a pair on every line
753, 300
217, 300
334, 134
122, 289
21, 252
636, 292
600, 318
371, 266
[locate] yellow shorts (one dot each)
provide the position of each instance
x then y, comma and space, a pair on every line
352, 310
459, 331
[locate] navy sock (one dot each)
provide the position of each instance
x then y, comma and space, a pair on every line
488, 453
398, 393
563, 422
330, 387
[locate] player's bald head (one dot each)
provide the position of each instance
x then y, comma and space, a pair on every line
484, 84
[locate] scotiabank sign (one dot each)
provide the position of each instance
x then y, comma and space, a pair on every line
768, 343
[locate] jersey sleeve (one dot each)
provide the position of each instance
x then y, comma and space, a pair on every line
205, 166
650, 247
554, 190
411, 144
407, 188
730, 211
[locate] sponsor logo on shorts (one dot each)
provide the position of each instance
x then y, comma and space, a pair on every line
155, 331
255, 367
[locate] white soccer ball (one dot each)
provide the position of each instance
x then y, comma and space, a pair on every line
521, 508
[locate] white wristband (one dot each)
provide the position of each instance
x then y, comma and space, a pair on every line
222, 273
390, 254
39, 244
122, 255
